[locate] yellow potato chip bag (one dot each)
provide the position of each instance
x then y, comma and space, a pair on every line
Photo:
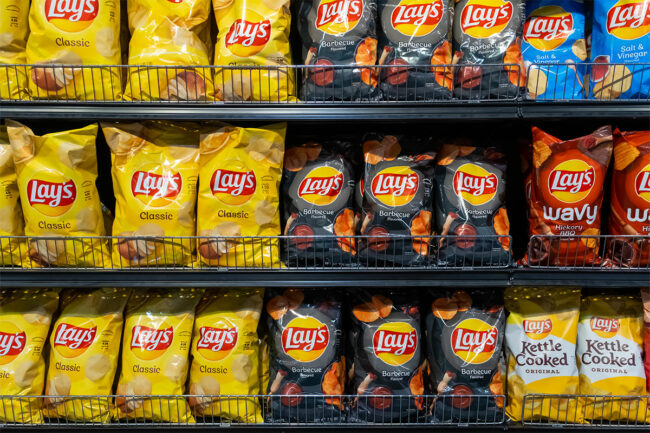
239, 180
84, 32
13, 252
56, 178
253, 34
155, 172
541, 333
25, 318
84, 349
610, 358
13, 37
226, 355
155, 349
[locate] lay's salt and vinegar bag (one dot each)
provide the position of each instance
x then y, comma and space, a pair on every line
13, 38
155, 348
25, 318
554, 49
155, 172
239, 195
226, 355
56, 178
254, 34
84, 349
84, 32
541, 333
610, 358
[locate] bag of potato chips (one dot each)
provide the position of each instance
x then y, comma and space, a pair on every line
56, 178
645, 296
84, 348
25, 317
155, 348
541, 333
85, 32
254, 34
226, 355
13, 38
155, 171
239, 194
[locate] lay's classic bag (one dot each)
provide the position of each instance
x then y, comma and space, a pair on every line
254, 34
56, 177
84, 349
25, 318
554, 43
541, 333
13, 38
239, 195
86, 32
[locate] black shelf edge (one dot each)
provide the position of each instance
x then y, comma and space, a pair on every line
584, 109
585, 278
136, 428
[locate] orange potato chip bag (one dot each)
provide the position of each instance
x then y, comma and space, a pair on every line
13, 38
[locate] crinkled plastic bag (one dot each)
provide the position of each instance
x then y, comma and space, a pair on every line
13, 38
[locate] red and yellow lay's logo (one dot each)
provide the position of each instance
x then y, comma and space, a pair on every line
234, 185
484, 18
305, 339
337, 17
395, 343
247, 37
474, 341
149, 343
475, 184
12, 342
155, 189
538, 329
321, 186
417, 18
603, 327
51, 197
216, 343
571, 181
395, 186
548, 27
71, 15
642, 183
71, 340
629, 19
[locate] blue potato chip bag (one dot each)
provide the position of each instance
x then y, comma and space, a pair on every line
620, 50
554, 49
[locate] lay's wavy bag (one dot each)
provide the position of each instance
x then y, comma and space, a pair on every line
554, 44
13, 38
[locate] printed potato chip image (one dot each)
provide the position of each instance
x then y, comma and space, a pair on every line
13, 39
84, 349
155, 174
56, 178
239, 195
86, 34
541, 335
25, 318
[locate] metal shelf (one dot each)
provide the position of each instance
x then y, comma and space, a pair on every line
584, 109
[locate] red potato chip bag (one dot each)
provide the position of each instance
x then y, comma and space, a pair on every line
565, 194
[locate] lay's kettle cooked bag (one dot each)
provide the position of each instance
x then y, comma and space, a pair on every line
85, 32
13, 38
239, 196
541, 334
84, 349
25, 318
56, 177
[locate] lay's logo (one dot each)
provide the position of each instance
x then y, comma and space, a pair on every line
305, 338
233, 187
321, 186
484, 18
51, 198
395, 343
642, 183
216, 343
337, 17
71, 15
571, 181
474, 184
71, 341
417, 18
548, 27
395, 186
474, 341
149, 343
538, 329
11, 344
603, 327
629, 19
247, 37
156, 189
